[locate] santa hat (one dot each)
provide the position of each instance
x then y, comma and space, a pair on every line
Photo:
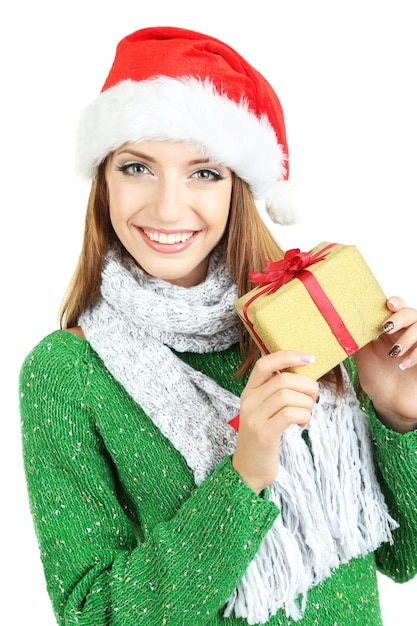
173, 84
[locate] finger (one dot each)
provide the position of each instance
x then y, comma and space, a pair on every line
266, 425
409, 360
286, 389
395, 303
288, 382
287, 400
268, 365
403, 318
291, 415
404, 342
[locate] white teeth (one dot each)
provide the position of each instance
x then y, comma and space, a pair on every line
167, 239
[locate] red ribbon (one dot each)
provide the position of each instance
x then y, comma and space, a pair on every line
277, 273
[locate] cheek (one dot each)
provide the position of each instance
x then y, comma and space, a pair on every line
114, 215
216, 204
223, 219
119, 205
220, 210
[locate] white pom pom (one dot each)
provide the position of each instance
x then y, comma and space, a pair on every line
279, 203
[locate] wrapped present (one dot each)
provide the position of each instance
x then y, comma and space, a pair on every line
324, 302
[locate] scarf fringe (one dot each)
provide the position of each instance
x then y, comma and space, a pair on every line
331, 510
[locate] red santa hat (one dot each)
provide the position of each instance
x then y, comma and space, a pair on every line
168, 83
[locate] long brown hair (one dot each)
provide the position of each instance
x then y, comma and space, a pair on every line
98, 236
249, 245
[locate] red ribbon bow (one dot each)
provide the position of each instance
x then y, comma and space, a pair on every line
277, 273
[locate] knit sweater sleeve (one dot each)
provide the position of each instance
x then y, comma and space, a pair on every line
396, 462
100, 568
396, 465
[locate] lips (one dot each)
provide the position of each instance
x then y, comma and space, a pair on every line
167, 242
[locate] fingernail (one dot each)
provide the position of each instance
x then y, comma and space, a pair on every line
318, 399
307, 358
395, 351
404, 364
394, 302
388, 326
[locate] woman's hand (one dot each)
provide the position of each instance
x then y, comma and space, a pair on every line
387, 368
270, 402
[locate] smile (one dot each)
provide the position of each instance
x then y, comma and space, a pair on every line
168, 238
167, 243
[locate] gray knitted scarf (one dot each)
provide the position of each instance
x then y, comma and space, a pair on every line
331, 506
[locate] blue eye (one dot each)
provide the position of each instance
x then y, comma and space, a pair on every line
133, 168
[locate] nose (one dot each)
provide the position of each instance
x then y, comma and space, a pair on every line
170, 199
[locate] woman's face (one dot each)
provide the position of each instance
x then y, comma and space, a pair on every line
169, 207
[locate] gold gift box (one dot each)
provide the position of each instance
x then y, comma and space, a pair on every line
288, 319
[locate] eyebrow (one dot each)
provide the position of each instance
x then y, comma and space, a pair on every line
146, 157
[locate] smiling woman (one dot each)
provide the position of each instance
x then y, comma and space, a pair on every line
169, 207
148, 504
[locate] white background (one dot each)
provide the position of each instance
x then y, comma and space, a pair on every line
346, 75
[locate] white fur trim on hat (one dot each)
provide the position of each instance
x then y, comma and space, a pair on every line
279, 203
185, 109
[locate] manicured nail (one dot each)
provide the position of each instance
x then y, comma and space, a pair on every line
394, 302
395, 351
404, 364
388, 326
307, 358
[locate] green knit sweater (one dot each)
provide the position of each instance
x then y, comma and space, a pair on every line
125, 536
